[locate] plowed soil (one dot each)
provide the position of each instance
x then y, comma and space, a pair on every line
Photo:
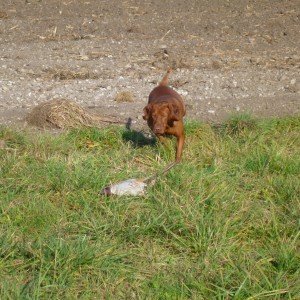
228, 56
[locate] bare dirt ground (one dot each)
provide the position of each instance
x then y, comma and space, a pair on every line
228, 56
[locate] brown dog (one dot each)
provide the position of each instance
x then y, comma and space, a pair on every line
164, 113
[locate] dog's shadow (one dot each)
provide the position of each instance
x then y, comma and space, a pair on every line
137, 138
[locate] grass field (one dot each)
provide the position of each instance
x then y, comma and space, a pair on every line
223, 224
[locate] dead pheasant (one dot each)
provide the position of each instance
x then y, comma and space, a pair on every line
134, 186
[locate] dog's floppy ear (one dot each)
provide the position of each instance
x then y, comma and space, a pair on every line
174, 113
147, 111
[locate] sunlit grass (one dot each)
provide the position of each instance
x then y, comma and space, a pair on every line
223, 224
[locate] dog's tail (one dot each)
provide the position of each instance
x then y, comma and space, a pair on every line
165, 79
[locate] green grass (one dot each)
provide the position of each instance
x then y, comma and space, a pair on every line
223, 224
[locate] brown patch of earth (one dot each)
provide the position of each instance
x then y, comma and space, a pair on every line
228, 56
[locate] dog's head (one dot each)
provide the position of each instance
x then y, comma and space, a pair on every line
161, 115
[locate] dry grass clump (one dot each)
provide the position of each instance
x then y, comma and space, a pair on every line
61, 73
59, 113
64, 114
125, 96
55, 34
